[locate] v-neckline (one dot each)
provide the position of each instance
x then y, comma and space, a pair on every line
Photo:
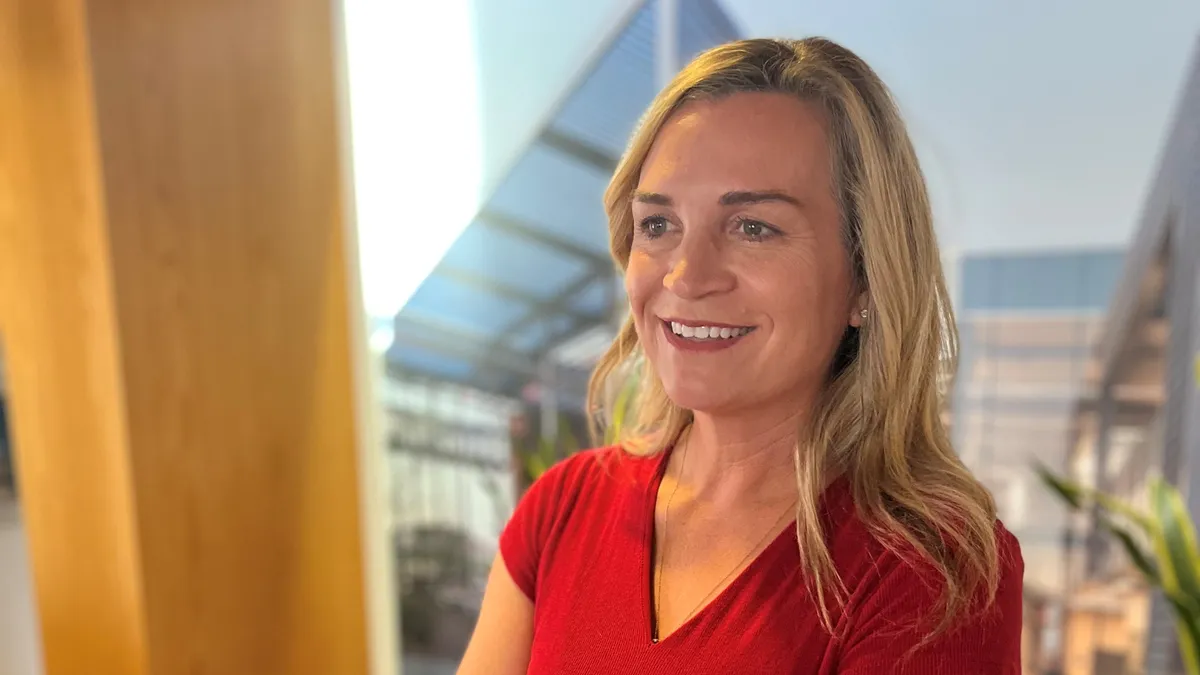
649, 611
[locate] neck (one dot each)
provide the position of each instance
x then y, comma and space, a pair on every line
739, 459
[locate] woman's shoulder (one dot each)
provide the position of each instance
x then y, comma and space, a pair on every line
854, 542
596, 468
896, 600
585, 482
1012, 563
852, 537
577, 492
905, 567
860, 552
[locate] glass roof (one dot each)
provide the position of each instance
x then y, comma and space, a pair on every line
532, 272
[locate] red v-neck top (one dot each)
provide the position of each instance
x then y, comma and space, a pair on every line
579, 545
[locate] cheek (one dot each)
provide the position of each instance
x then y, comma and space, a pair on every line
641, 277
807, 295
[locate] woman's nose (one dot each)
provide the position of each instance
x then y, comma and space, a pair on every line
698, 270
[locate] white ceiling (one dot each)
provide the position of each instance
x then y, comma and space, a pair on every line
1039, 122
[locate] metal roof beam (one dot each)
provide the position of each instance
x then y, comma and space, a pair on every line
482, 283
558, 305
517, 228
495, 357
569, 382
426, 334
579, 150
489, 382
574, 330
578, 327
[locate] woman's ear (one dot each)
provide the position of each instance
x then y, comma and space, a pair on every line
859, 310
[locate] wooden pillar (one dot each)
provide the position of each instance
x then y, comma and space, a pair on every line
175, 303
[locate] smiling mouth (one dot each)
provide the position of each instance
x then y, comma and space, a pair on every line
706, 332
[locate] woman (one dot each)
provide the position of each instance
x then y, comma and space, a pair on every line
786, 500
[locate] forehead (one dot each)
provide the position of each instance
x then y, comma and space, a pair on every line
744, 141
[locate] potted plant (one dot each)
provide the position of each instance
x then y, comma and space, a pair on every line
1161, 544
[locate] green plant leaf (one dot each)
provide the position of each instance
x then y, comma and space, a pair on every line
535, 466
1137, 555
1069, 492
547, 452
1188, 629
621, 406
1174, 565
1176, 548
1079, 498
570, 443
1187, 626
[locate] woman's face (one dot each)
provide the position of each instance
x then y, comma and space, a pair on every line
738, 279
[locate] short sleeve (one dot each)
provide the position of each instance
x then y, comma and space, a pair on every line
889, 624
532, 524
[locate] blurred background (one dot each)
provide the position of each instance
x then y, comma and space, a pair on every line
1060, 143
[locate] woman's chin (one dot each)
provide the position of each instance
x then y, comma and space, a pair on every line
699, 398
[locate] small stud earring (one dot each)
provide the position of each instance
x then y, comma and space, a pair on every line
863, 313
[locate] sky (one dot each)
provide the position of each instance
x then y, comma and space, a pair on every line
1039, 123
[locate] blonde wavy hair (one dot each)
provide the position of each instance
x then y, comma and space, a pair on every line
878, 422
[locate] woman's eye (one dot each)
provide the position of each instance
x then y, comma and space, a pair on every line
753, 229
654, 227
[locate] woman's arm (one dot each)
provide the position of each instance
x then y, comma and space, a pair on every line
504, 633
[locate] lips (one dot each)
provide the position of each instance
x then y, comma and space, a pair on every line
703, 335
708, 331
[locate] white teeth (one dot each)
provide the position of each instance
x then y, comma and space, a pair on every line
707, 332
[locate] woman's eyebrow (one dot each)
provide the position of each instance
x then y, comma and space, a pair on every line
743, 197
733, 198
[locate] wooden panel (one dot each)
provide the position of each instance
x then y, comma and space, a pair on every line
178, 330
57, 317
